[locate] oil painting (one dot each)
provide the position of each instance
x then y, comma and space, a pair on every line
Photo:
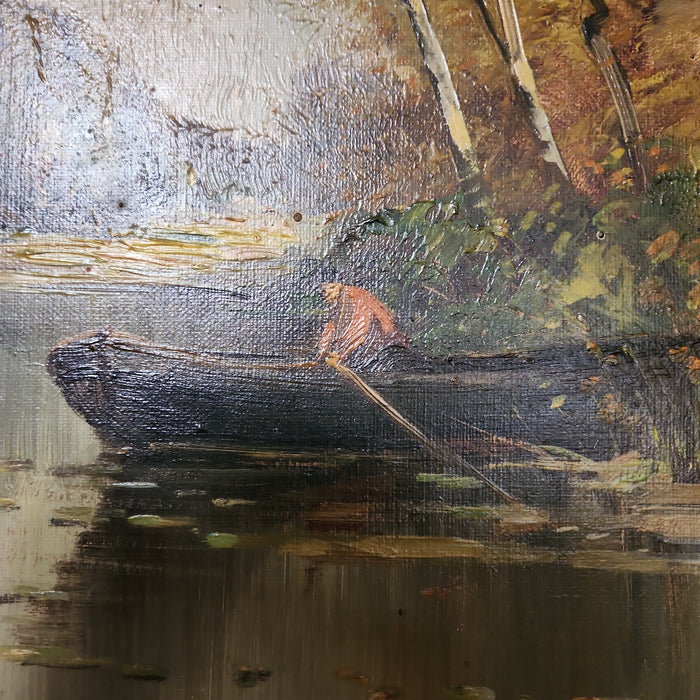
350, 349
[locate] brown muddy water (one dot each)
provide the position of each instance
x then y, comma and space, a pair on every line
302, 575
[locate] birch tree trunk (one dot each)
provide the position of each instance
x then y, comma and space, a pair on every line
466, 164
525, 81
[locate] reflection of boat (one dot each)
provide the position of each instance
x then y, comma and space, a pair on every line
138, 394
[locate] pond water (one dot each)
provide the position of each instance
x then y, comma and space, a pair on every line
299, 575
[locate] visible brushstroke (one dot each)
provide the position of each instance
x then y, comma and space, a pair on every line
72, 515
359, 325
52, 657
9, 466
35, 28
620, 91
144, 673
443, 455
159, 522
249, 676
186, 124
524, 80
222, 540
160, 253
434, 59
491, 28
450, 481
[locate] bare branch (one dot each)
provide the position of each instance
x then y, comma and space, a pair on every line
620, 91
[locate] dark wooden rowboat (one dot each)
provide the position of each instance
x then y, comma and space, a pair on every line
134, 393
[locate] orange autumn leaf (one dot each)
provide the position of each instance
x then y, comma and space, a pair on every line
690, 250
664, 246
619, 176
694, 297
693, 364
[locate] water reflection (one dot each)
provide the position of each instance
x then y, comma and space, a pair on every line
275, 581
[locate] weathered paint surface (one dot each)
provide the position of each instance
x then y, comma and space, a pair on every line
189, 506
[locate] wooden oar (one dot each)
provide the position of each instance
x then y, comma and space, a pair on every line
443, 454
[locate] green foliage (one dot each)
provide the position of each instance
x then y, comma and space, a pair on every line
677, 195
560, 270
438, 233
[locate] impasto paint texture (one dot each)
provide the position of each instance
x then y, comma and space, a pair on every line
350, 349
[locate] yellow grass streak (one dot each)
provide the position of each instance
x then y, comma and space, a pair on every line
156, 253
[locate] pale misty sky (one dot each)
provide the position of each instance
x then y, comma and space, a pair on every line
226, 63
100, 96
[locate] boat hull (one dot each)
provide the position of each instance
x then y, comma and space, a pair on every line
140, 395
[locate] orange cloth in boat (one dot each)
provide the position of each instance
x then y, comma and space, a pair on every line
360, 326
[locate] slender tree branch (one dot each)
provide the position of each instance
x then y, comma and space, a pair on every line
620, 91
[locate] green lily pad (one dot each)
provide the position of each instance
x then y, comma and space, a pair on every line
449, 481
221, 540
50, 657
18, 655
144, 673
157, 521
50, 595
231, 502
74, 514
24, 589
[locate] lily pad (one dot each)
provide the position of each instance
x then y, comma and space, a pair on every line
231, 502
50, 657
19, 655
450, 481
144, 673
222, 540
157, 521
73, 515
24, 589
62, 596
